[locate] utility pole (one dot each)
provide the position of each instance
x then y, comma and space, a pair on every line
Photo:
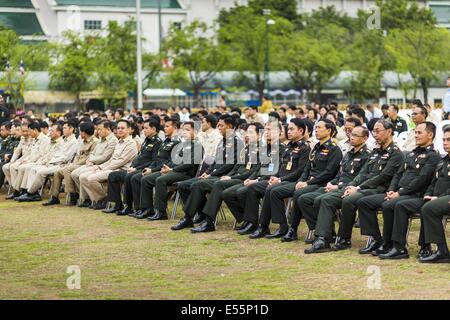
139, 54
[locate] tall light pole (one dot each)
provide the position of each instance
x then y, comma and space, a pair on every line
139, 54
269, 22
159, 23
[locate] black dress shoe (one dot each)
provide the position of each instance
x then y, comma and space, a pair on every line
395, 253
30, 197
73, 199
205, 226
112, 210
424, 251
310, 240
158, 216
124, 212
143, 214
319, 245
260, 232
384, 249
15, 194
240, 225
22, 197
291, 235
249, 229
85, 204
374, 245
100, 205
436, 257
280, 232
199, 218
51, 201
342, 244
183, 224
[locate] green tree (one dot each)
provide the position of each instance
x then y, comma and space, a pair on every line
245, 35
75, 64
312, 62
195, 51
422, 51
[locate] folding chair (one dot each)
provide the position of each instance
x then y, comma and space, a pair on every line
47, 180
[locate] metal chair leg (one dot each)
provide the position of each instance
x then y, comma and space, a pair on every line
222, 214
369, 240
309, 235
288, 208
410, 221
67, 198
175, 206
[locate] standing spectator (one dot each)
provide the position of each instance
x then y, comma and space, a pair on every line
4, 111
399, 123
446, 106
373, 112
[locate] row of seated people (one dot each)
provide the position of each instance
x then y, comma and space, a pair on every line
319, 179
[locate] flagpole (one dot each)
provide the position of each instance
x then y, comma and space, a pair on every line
139, 54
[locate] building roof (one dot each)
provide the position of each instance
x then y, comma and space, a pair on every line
16, 3
165, 4
15, 21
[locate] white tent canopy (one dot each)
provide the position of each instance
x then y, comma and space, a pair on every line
164, 93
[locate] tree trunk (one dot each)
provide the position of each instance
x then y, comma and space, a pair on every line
197, 97
260, 84
424, 85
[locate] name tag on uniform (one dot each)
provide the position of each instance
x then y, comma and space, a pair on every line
249, 165
289, 165
271, 167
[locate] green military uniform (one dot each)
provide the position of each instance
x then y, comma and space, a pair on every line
7, 149
249, 164
227, 156
431, 229
400, 125
323, 166
411, 181
163, 156
191, 153
319, 207
374, 178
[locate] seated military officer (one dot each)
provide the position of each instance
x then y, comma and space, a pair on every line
248, 165
183, 165
409, 182
319, 207
294, 161
146, 155
324, 163
193, 191
163, 157
270, 153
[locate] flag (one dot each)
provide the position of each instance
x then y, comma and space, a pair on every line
21, 67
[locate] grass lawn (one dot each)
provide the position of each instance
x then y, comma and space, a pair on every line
123, 258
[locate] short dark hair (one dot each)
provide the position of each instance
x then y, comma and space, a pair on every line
43, 124
330, 125
7, 125
395, 107
212, 120
365, 131
71, 123
106, 124
34, 126
236, 109
275, 115
385, 107
87, 127
153, 123
190, 124
430, 127
175, 122
387, 124
58, 127
258, 126
125, 121
358, 111
446, 128
299, 123
417, 102
424, 110
120, 111
228, 120
354, 120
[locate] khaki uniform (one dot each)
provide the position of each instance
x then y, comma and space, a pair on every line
39, 148
103, 151
63, 155
210, 140
91, 182
21, 152
86, 147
